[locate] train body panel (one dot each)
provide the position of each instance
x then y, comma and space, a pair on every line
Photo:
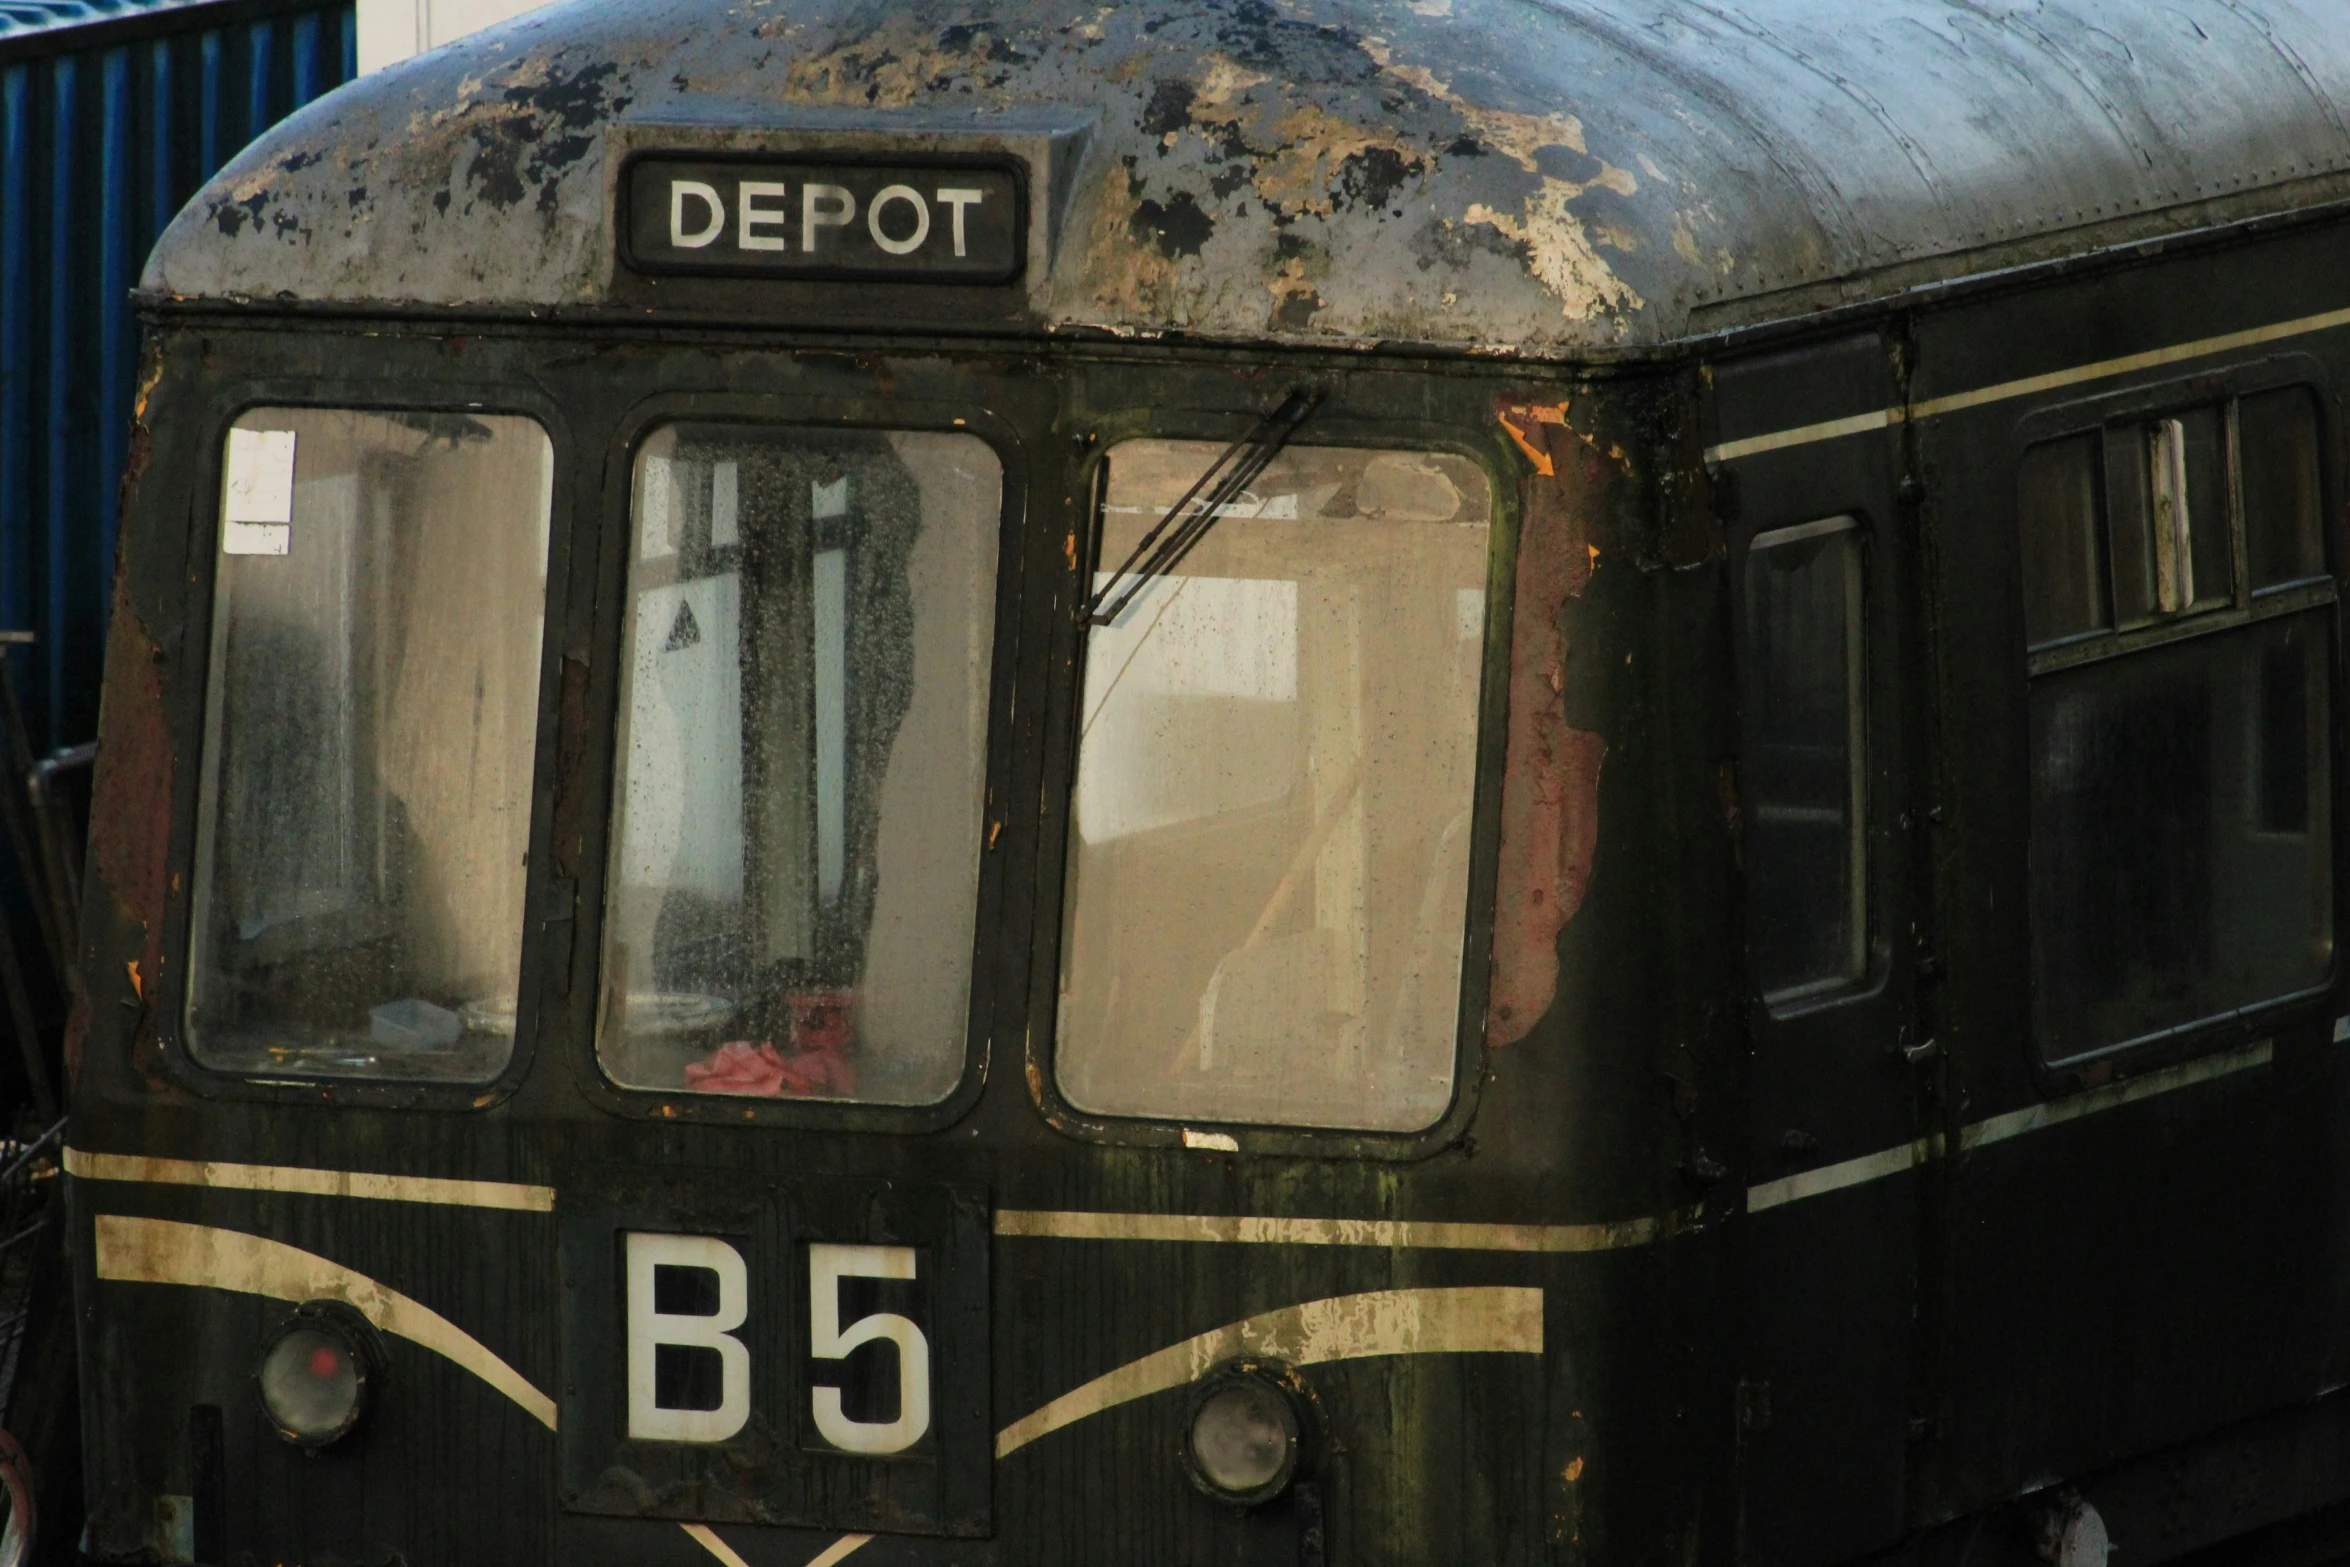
1689, 948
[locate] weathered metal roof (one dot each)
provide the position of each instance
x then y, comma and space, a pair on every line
1549, 176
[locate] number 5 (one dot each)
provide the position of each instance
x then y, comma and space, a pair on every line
827, 1266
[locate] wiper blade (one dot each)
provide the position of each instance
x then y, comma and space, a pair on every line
1170, 539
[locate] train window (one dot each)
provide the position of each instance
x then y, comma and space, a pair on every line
2064, 541
2168, 514
1270, 853
371, 709
1805, 760
2180, 851
2283, 537
793, 887
2178, 872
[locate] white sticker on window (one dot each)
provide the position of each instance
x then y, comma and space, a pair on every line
660, 505
259, 510
725, 491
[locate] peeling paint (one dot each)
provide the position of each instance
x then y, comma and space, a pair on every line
1515, 148
1550, 782
1132, 276
1515, 136
1316, 145
130, 809
1560, 254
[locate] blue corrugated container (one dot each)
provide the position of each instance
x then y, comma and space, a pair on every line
112, 112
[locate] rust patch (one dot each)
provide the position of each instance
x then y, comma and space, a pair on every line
1314, 148
130, 811
1132, 277
1554, 413
1550, 782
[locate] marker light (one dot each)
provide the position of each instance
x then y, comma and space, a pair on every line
315, 1373
1242, 1442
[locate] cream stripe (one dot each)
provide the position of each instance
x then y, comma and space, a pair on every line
1481, 1320
163, 1251
838, 1549
707, 1538
1383, 1233
2003, 391
1999, 1128
2033, 1118
310, 1183
1805, 434
1835, 1177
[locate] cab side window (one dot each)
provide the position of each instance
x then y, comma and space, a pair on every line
2179, 625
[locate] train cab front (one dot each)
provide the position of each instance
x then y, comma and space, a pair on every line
824, 834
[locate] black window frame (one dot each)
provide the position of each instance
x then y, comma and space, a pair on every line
1214, 402
1861, 872
2109, 417
396, 389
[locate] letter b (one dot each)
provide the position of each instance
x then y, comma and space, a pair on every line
649, 1328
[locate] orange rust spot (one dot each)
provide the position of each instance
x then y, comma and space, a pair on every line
1540, 460
993, 828
1070, 546
1573, 1472
137, 989
1550, 784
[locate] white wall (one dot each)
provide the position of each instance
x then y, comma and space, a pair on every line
392, 30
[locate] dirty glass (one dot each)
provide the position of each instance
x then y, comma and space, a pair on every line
1270, 851
793, 884
371, 707
2180, 854
2063, 541
1803, 762
2283, 532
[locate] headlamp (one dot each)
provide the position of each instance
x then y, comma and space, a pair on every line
317, 1372
1244, 1432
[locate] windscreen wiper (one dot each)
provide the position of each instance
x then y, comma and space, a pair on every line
1171, 538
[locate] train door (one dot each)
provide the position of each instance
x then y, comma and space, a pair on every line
1819, 560
2130, 478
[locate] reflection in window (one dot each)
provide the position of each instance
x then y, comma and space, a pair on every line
1803, 766
2177, 871
2064, 541
1269, 868
2180, 836
2282, 517
795, 862
370, 714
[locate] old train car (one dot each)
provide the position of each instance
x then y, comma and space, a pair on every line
1292, 781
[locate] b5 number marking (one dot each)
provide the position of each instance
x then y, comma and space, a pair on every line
711, 1330
827, 1340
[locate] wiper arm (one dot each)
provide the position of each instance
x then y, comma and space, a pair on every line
1170, 539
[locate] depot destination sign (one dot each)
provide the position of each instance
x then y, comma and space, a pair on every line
792, 218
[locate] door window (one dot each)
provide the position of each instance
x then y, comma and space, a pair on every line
372, 701
1804, 767
1270, 856
793, 887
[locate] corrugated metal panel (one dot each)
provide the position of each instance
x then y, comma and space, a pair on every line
106, 128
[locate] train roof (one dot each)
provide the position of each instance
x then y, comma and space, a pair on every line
1564, 178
